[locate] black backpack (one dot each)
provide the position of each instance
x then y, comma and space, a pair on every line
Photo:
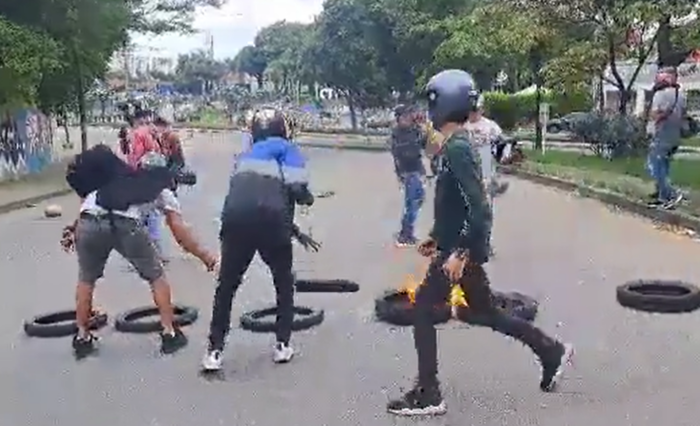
118, 186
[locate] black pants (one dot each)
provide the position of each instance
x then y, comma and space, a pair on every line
239, 243
475, 283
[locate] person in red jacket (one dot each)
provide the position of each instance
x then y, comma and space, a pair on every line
142, 139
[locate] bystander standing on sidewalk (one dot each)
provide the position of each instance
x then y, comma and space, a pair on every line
666, 114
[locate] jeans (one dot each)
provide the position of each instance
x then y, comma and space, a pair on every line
239, 243
153, 222
414, 195
435, 291
659, 167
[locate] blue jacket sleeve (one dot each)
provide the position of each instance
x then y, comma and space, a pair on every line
295, 174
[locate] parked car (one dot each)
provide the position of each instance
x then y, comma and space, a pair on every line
565, 122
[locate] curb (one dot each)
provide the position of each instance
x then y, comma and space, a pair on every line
24, 203
345, 146
669, 217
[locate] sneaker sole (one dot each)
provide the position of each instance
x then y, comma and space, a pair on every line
566, 360
283, 360
433, 410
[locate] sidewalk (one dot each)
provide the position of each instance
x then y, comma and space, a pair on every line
32, 189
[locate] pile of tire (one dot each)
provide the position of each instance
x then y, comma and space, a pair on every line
395, 307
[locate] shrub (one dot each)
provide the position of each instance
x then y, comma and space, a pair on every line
612, 136
509, 109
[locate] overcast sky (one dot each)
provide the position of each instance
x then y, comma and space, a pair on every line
233, 26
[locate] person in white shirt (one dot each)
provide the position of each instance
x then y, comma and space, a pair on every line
98, 232
483, 132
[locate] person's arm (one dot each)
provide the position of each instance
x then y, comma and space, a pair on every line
467, 172
662, 105
170, 206
295, 174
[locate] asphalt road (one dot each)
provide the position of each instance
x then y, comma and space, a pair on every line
631, 368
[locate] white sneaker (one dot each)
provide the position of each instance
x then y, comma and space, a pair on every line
283, 353
212, 361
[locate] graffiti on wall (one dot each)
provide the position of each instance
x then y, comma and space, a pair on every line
26, 143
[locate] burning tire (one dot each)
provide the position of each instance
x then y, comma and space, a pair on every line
263, 320
514, 304
659, 296
396, 307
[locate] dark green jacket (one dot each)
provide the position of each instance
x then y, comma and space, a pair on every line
462, 212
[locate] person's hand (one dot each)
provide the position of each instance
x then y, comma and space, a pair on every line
211, 262
427, 248
454, 266
307, 242
68, 239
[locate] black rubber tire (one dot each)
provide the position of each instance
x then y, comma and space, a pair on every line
325, 194
257, 322
60, 324
326, 286
132, 321
395, 308
667, 297
515, 304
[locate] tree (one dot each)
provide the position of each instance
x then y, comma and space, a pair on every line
609, 25
344, 60
165, 16
250, 60
281, 47
25, 56
199, 66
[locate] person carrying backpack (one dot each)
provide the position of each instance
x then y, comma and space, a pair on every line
114, 198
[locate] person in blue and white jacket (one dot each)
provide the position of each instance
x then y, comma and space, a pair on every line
268, 180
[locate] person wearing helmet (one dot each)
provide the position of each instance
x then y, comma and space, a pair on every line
407, 143
268, 180
459, 247
111, 219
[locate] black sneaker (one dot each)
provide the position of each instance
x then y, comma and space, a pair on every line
419, 401
654, 203
553, 365
172, 342
84, 346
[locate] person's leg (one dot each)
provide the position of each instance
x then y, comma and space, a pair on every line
277, 254
93, 245
673, 196
402, 238
135, 245
653, 167
553, 355
425, 397
238, 249
415, 197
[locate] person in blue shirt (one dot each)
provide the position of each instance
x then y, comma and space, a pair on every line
268, 180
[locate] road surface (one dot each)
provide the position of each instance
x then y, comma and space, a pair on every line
631, 368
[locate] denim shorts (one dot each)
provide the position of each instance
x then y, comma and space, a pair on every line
97, 236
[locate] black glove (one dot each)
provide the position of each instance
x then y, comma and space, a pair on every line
306, 241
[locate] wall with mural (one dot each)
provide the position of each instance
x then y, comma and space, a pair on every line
26, 143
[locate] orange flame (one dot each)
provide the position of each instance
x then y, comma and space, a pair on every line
411, 284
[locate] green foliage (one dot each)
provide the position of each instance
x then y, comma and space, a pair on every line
511, 110
612, 136
25, 56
